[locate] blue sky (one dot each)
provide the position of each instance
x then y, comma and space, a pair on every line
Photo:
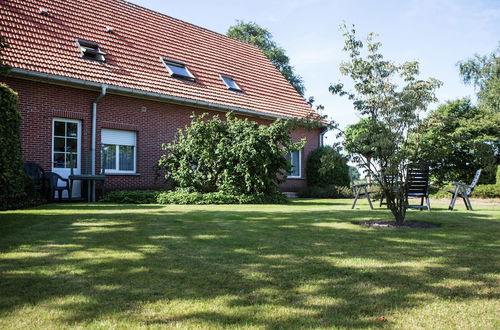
436, 33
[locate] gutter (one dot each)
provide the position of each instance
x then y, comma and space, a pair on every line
94, 128
111, 89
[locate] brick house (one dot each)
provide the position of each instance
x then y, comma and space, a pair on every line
108, 76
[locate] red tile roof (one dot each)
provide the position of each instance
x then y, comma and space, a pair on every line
47, 44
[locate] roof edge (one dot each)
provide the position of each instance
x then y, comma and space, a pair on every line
118, 90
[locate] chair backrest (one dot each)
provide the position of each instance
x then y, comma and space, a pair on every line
34, 171
53, 178
474, 181
418, 180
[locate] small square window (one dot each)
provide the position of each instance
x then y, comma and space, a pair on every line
177, 69
91, 50
230, 83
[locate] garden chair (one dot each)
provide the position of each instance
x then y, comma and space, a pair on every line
464, 191
360, 190
389, 179
54, 179
36, 173
418, 186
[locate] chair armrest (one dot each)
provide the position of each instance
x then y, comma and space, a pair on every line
361, 185
462, 185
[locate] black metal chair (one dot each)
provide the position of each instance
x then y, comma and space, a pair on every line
464, 191
418, 186
37, 174
54, 179
361, 190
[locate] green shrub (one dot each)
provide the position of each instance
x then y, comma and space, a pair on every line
13, 180
184, 196
498, 175
131, 197
325, 192
234, 156
326, 166
487, 191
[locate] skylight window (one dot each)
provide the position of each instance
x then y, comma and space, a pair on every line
178, 69
230, 83
90, 50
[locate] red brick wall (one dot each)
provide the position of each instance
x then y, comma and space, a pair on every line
39, 103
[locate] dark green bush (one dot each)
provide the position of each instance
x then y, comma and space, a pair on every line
325, 192
326, 166
184, 196
13, 181
131, 197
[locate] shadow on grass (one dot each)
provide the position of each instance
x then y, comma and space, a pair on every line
315, 265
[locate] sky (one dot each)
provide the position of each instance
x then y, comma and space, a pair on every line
437, 33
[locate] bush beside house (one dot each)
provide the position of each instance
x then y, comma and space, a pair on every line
13, 181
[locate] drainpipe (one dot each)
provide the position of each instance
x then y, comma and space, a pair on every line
94, 129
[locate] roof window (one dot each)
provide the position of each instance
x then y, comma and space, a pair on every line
178, 69
90, 50
230, 83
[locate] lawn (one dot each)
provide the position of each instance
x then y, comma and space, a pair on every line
302, 265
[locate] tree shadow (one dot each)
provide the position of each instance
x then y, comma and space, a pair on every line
313, 267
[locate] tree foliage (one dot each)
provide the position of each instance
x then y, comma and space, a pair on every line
4, 69
458, 138
392, 97
483, 72
326, 166
260, 37
232, 156
12, 177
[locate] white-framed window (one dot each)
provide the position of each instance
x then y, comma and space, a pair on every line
178, 69
119, 150
90, 50
230, 83
65, 143
295, 159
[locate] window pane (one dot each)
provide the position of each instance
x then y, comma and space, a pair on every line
71, 160
59, 144
59, 160
71, 145
126, 158
295, 164
109, 156
59, 128
71, 129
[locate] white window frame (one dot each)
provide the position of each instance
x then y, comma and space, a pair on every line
224, 77
78, 142
117, 156
300, 165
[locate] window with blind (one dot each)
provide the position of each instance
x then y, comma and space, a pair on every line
118, 151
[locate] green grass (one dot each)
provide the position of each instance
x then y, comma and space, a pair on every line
302, 265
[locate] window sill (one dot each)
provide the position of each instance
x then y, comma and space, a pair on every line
118, 173
294, 178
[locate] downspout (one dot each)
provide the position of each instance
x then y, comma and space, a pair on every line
94, 129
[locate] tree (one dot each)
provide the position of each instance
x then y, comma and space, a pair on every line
232, 156
253, 34
4, 69
354, 172
457, 139
394, 112
483, 72
326, 166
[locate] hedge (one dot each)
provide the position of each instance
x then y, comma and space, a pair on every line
13, 181
325, 192
183, 196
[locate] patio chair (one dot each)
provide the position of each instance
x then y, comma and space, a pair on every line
389, 179
36, 173
361, 190
464, 191
418, 186
54, 179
